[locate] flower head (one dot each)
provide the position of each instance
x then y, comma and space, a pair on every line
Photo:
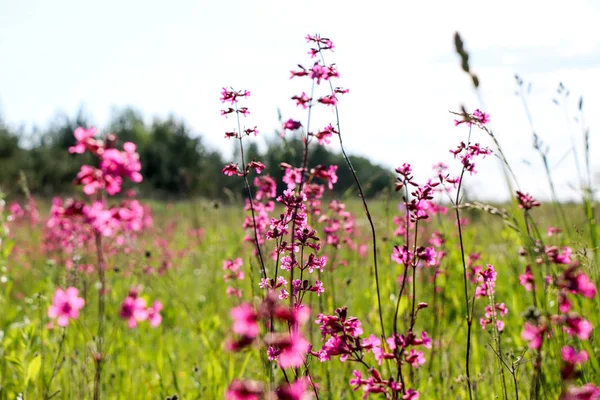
65, 305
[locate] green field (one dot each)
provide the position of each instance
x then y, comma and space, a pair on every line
185, 354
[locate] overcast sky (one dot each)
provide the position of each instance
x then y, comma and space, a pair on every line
397, 59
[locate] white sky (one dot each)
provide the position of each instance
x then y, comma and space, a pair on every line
397, 59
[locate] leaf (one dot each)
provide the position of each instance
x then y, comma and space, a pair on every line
33, 369
14, 361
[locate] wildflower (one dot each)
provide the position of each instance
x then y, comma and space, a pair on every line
244, 390
251, 130
415, 358
552, 230
411, 395
65, 305
231, 169
329, 175
302, 72
293, 349
533, 334
231, 96
478, 117
245, 320
319, 72
324, 135
85, 141
257, 165
292, 176
570, 355
133, 309
154, 314
589, 391
302, 100
291, 125
482, 117
526, 201
527, 279
293, 391
577, 326
329, 100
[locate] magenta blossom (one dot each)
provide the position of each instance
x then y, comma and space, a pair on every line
245, 320
134, 310
154, 314
291, 125
65, 305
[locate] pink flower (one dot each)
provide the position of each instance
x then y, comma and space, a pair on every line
244, 390
401, 254
302, 100
293, 391
533, 334
329, 100
329, 175
482, 117
231, 169
257, 165
571, 356
589, 391
84, 137
552, 230
324, 136
577, 326
585, 286
16, 211
526, 201
154, 314
526, 280
133, 309
124, 163
292, 176
415, 358
411, 395
291, 125
245, 320
293, 351
231, 96
65, 305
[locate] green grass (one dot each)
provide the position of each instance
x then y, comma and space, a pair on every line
185, 355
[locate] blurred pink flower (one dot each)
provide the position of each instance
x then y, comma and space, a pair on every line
154, 316
65, 305
245, 320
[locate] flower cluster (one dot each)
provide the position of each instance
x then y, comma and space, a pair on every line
233, 273
134, 310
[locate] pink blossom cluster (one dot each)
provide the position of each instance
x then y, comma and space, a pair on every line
570, 283
233, 273
254, 390
466, 154
134, 310
569, 372
477, 118
289, 348
18, 213
114, 164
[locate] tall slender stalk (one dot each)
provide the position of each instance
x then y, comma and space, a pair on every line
99, 356
365, 207
250, 198
466, 290
543, 154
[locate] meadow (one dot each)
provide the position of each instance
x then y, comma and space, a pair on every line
419, 293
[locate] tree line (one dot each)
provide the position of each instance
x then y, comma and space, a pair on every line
175, 162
